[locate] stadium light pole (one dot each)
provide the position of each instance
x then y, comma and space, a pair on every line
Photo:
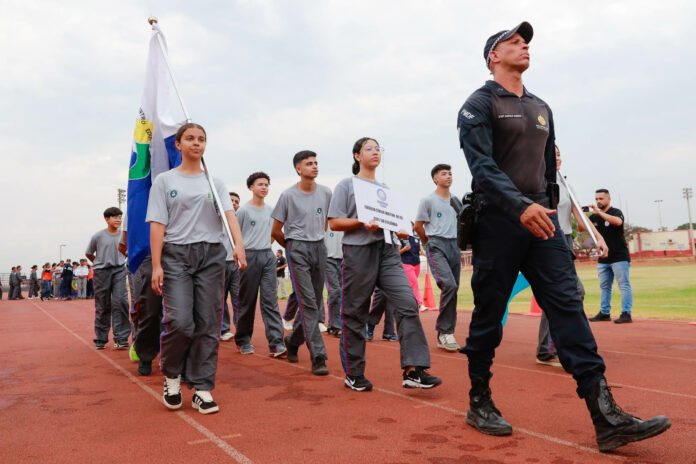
688, 194
121, 197
60, 250
659, 213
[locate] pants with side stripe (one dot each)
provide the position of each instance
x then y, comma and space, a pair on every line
231, 291
111, 304
446, 266
260, 274
291, 309
364, 268
147, 315
194, 277
333, 290
378, 307
307, 264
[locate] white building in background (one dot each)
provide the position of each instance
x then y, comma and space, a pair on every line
663, 243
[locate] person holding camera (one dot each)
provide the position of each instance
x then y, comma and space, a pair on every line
507, 135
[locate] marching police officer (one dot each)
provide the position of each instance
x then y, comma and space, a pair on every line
507, 135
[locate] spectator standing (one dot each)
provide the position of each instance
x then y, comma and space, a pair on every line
609, 222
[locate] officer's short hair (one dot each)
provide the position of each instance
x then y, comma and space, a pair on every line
603, 191
112, 212
438, 168
234, 194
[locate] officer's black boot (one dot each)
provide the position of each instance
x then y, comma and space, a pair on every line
482, 413
615, 427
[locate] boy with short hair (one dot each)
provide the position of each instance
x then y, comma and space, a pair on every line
46, 277
255, 220
33, 283
436, 225
231, 281
110, 295
300, 222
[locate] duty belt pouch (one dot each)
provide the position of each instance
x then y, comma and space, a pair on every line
466, 220
553, 192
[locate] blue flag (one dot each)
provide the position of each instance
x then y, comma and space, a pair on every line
153, 149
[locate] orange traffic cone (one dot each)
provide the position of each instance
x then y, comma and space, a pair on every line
535, 309
428, 295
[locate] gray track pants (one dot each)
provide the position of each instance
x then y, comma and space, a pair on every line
307, 264
111, 304
147, 314
194, 277
291, 309
380, 306
231, 290
364, 268
333, 291
546, 350
260, 274
446, 265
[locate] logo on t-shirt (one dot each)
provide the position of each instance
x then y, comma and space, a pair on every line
439, 214
331, 234
173, 193
253, 223
319, 210
210, 196
542, 124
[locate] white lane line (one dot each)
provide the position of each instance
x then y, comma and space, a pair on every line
564, 375
458, 412
220, 443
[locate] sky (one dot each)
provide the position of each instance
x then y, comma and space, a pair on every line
270, 78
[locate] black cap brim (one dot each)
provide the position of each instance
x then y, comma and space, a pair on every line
524, 29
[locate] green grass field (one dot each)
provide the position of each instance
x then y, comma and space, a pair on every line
659, 292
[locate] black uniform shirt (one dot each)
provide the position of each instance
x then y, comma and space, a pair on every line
613, 235
280, 262
508, 142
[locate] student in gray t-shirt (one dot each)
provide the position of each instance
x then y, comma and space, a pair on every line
188, 269
110, 294
260, 275
436, 225
369, 262
299, 225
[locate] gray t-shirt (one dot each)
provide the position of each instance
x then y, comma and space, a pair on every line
304, 214
343, 206
333, 241
256, 226
104, 247
184, 204
228, 246
564, 208
438, 215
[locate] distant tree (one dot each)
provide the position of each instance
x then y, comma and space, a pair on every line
685, 226
584, 240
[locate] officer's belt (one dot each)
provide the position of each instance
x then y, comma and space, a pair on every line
480, 202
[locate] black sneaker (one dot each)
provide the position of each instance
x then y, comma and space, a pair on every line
121, 345
99, 345
419, 378
601, 317
144, 367
390, 337
203, 401
482, 413
291, 350
358, 383
319, 366
172, 392
624, 318
369, 332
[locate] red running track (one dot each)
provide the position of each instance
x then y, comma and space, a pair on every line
65, 402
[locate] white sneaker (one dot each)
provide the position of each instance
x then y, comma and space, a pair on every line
447, 342
227, 336
203, 401
172, 392
287, 325
322, 327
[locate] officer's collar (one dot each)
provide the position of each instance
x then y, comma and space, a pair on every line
500, 90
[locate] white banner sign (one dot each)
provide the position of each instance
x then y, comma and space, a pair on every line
373, 201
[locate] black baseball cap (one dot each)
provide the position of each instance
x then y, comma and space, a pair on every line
524, 29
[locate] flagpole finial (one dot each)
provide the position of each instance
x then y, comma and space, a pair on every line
152, 20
